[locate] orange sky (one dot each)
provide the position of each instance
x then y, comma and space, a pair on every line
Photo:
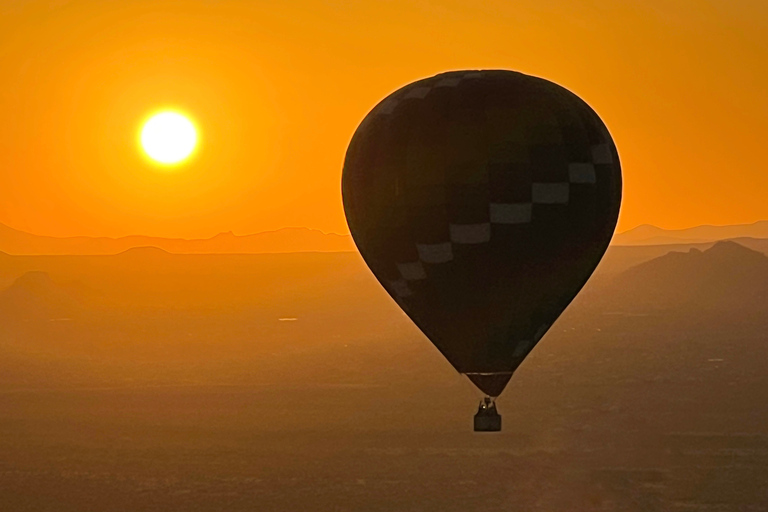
278, 88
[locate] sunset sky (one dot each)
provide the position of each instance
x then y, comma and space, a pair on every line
276, 90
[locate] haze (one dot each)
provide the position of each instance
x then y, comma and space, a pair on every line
153, 381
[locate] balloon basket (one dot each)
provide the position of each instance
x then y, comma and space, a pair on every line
487, 418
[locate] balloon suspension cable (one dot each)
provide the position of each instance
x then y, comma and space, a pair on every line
489, 402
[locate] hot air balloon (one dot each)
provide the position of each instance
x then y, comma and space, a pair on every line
482, 201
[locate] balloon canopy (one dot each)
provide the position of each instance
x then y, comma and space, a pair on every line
482, 201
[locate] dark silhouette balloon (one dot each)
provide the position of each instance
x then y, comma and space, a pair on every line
482, 201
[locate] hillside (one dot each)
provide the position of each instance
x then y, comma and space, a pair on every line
724, 277
33, 296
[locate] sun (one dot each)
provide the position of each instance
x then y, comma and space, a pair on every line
168, 137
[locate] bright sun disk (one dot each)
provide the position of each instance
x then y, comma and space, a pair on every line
168, 137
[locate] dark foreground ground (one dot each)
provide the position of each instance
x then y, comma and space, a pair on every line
348, 408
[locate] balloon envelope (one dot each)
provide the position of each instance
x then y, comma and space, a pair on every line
482, 201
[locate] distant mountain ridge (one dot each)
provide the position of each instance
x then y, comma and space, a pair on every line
652, 235
13, 241
287, 240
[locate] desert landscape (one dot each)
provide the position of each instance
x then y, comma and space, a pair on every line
147, 380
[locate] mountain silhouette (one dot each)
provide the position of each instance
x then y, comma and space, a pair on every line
13, 241
287, 240
652, 235
725, 277
35, 296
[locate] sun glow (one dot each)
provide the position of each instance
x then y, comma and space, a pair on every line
168, 137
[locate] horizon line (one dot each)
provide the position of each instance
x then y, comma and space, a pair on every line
230, 232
